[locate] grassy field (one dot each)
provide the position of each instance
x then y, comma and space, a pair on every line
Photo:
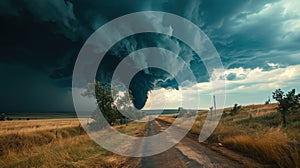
256, 131
23, 126
34, 143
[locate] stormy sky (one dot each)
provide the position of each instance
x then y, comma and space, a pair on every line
258, 42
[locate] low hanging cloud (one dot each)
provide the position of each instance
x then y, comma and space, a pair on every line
255, 84
257, 79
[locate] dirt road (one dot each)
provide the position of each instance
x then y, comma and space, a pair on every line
189, 153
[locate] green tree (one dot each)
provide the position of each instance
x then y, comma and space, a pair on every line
107, 107
105, 103
286, 102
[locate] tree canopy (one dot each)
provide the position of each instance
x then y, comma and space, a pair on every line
110, 102
286, 102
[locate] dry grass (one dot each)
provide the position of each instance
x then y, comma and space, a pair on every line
16, 142
273, 146
133, 128
256, 131
26, 126
72, 148
79, 151
196, 128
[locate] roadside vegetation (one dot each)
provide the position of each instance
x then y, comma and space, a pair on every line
257, 131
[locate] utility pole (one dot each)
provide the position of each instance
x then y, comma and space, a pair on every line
211, 110
215, 105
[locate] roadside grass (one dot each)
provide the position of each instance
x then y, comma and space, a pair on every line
274, 146
78, 151
256, 131
133, 128
72, 148
16, 142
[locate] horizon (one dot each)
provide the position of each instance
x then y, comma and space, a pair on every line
74, 112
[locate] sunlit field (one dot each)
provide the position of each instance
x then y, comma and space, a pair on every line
255, 131
22, 126
57, 143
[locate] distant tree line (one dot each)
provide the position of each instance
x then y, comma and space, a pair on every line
4, 117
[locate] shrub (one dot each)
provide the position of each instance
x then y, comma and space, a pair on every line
286, 102
236, 108
2, 117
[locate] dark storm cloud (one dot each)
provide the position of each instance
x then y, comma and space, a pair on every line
46, 35
249, 33
49, 34
25, 89
147, 79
